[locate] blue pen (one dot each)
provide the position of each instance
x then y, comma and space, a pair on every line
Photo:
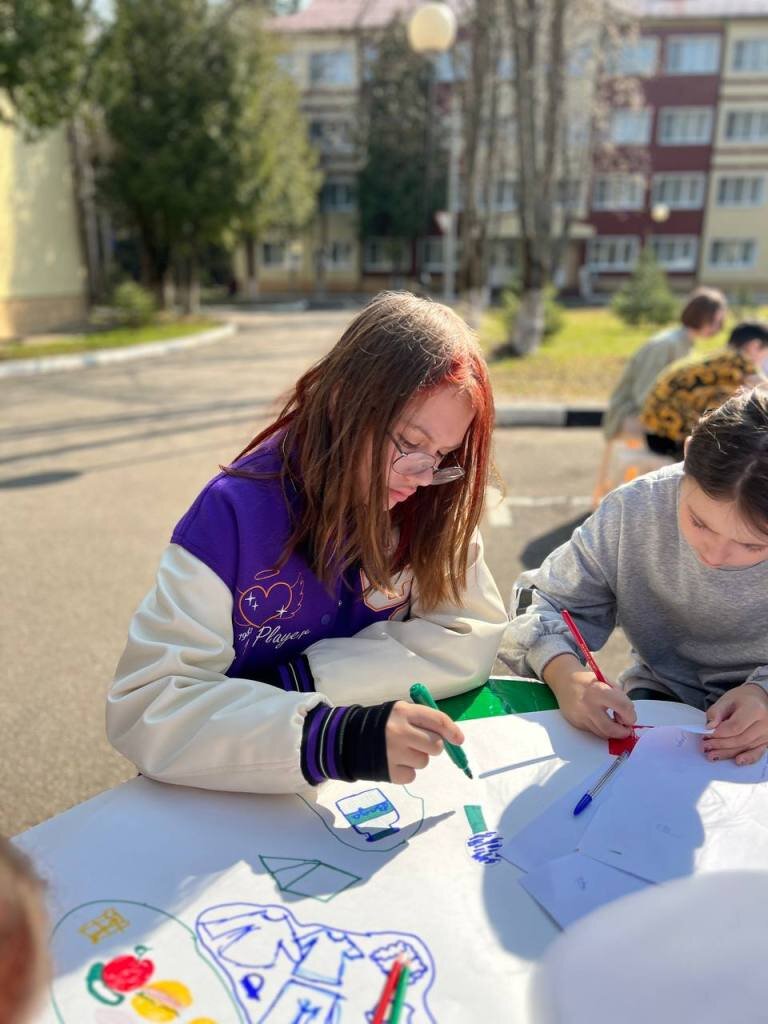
586, 800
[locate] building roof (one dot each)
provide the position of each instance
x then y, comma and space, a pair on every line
700, 8
347, 15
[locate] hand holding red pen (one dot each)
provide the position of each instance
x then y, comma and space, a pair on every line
585, 696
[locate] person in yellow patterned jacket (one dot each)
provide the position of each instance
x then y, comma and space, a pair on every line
686, 390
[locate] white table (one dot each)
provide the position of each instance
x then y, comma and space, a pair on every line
316, 901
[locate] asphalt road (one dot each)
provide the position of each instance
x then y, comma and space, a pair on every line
96, 466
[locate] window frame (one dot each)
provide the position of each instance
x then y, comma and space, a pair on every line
693, 38
666, 112
613, 268
699, 177
731, 241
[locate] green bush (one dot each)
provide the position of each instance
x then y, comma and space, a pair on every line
553, 311
646, 298
134, 305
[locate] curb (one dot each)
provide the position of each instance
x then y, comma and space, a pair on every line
547, 414
102, 356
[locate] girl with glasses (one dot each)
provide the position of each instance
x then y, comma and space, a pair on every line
335, 562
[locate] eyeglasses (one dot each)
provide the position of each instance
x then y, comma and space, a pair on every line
417, 463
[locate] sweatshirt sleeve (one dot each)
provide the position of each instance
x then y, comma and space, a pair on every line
174, 712
578, 576
450, 648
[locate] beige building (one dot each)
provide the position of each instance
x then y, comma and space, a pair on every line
327, 44
42, 271
735, 240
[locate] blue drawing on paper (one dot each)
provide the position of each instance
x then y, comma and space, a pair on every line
374, 820
283, 971
370, 813
485, 847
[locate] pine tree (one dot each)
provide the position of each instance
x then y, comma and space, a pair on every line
646, 297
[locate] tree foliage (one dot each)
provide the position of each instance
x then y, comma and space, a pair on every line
205, 140
42, 60
404, 140
646, 297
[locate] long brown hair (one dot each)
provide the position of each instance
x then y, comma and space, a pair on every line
23, 955
399, 348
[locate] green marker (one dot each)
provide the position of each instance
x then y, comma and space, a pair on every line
400, 993
421, 695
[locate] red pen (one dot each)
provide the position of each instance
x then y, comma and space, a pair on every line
568, 620
388, 991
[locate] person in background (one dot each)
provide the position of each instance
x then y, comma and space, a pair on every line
682, 393
702, 317
24, 965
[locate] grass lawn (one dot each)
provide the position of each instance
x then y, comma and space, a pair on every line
61, 344
583, 360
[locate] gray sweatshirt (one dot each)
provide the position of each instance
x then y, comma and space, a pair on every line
640, 375
695, 631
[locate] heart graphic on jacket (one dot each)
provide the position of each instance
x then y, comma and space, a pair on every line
260, 605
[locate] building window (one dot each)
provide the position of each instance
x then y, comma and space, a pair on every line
340, 255
675, 252
631, 127
273, 254
740, 190
679, 191
337, 196
693, 55
612, 252
568, 193
685, 126
289, 64
506, 195
750, 54
746, 126
332, 68
637, 58
618, 192
732, 253
432, 254
504, 253
381, 255
332, 136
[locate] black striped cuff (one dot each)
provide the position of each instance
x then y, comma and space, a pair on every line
345, 743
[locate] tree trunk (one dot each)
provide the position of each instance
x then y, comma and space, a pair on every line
529, 325
191, 288
251, 270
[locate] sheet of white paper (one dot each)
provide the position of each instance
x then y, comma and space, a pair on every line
556, 832
673, 812
572, 886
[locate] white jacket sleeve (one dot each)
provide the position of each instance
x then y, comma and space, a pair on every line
450, 648
173, 711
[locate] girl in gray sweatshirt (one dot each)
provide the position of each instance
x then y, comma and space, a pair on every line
679, 560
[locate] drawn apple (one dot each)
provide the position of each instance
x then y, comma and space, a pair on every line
127, 973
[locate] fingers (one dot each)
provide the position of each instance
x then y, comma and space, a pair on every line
602, 725
401, 774
735, 724
716, 747
421, 718
750, 756
613, 697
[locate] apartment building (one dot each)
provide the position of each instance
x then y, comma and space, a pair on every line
43, 282
328, 43
694, 155
686, 173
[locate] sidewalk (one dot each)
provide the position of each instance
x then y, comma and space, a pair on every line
508, 414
